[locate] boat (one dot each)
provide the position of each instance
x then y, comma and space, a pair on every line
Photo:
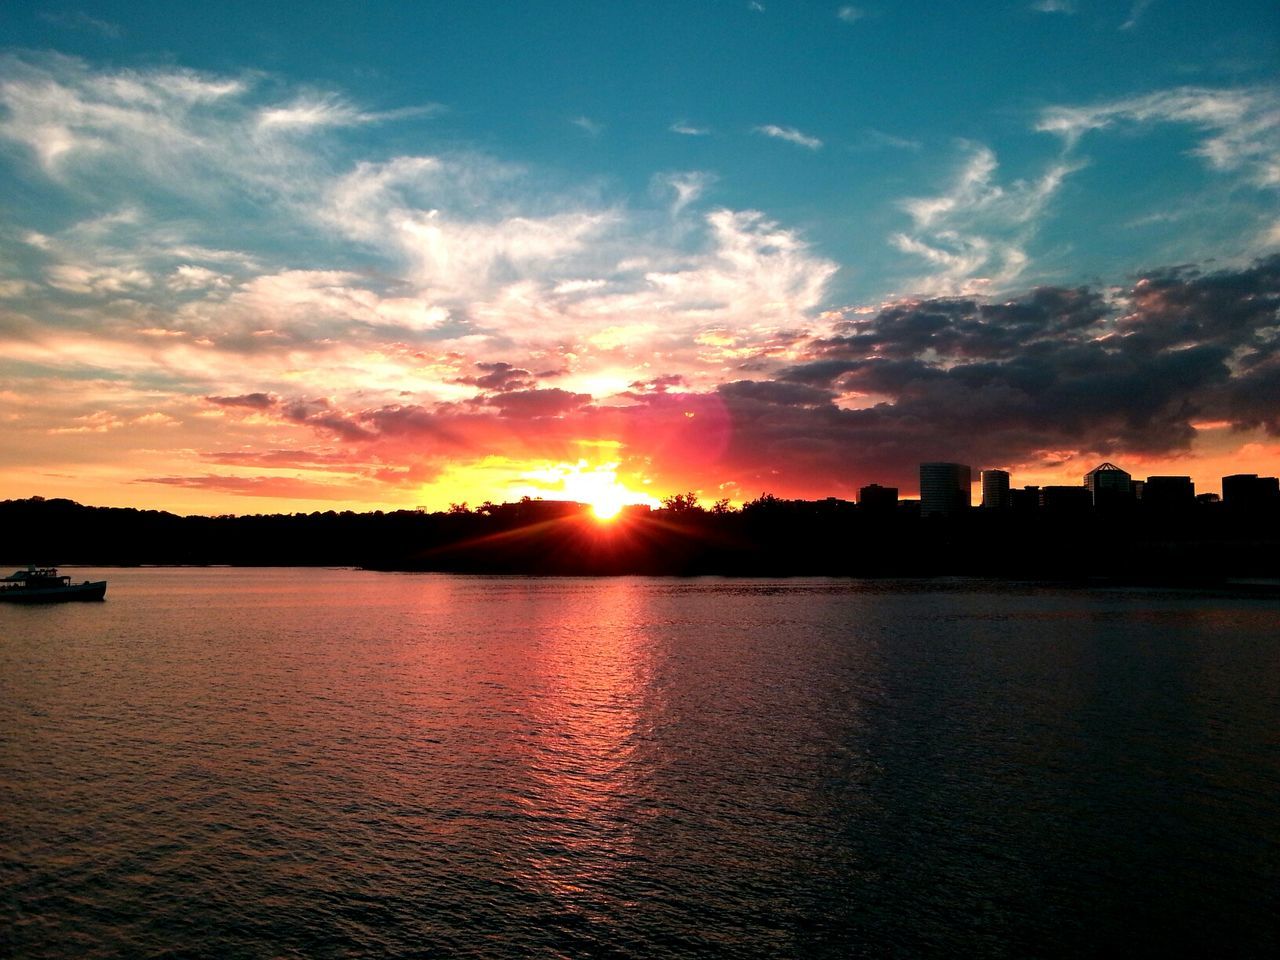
45, 585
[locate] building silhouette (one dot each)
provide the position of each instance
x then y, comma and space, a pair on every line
1108, 485
1065, 499
1250, 492
877, 499
946, 489
1025, 499
995, 490
1168, 493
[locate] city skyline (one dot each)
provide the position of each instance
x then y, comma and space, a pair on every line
326, 257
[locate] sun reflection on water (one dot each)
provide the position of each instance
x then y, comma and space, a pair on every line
581, 762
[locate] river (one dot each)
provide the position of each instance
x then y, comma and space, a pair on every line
334, 763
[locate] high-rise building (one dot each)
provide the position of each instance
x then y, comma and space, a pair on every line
946, 489
995, 490
1108, 484
1248, 491
877, 499
1168, 493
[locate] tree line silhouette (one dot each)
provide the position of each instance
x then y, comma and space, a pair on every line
768, 536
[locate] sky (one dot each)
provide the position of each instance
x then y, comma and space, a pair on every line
335, 255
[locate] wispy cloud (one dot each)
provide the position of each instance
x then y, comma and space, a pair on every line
79, 20
1241, 126
975, 234
591, 127
458, 258
873, 139
1054, 6
789, 134
1136, 11
850, 14
686, 186
688, 129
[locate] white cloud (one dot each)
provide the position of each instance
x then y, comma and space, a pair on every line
873, 139
1054, 6
688, 129
309, 112
1241, 127
479, 258
78, 20
789, 134
189, 277
850, 14
976, 232
592, 127
687, 186
1136, 11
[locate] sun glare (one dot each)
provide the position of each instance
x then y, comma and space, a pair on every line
599, 486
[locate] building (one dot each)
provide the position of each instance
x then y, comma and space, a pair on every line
1250, 492
1168, 493
995, 490
946, 489
1025, 500
1065, 499
1108, 485
877, 499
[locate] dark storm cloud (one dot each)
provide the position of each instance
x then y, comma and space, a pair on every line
531, 404
255, 401
776, 393
500, 377
1060, 368
322, 415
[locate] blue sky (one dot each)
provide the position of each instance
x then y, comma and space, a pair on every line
615, 191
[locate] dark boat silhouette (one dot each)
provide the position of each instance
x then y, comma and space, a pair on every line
45, 585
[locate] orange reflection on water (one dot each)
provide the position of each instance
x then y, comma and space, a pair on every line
584, 774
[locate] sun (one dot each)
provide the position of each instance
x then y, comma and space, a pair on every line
606, 507
600, 488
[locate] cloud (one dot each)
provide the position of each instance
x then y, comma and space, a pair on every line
974, 235
318, 111
687, 186
1138, 8
873, 139
591, 127
254, 401
1051, 376
850, 14
1241, 127
500, 376
688, 129
789, 134
1054, 369
156, 121
286, 488
79, 20
1054, 6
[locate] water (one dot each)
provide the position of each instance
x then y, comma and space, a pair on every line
333, 763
